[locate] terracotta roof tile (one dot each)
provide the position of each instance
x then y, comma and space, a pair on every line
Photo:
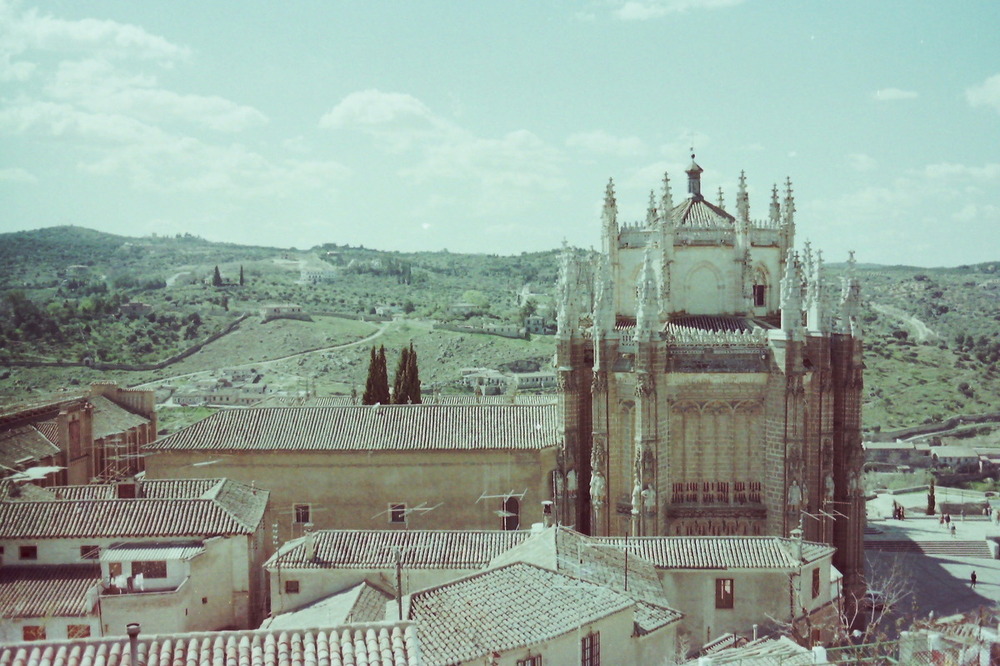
24, 442
227, 507
111, 419
372, 428
48, 591
505, 608
388, 644
721, 552
374, 549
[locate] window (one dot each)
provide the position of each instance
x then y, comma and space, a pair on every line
530, 661
590, 649
78, 631
90, 552
397, 513
150, 569
758, 295
724, 593
301, 512
33, 633
816, 583
291, 587
28, 553
510, 514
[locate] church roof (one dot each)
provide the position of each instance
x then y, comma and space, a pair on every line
716, 323
766, 552
698, 213
372, 428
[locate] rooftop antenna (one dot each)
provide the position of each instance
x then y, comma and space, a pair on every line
420, 509
503, 513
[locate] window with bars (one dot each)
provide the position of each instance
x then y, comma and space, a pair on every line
677, 493
32, 632
692, 491
815, 582
536, 660
302, 513
755, 492
90, 552
740, 490
590, 649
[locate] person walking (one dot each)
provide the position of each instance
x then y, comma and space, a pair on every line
973, 579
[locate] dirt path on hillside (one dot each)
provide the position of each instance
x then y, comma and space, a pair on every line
918, 329
257, 364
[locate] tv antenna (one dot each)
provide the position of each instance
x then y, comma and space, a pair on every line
503, 512
394, 508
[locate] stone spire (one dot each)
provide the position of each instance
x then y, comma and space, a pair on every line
648, 315
604, 307
775, 212
666, 201
743, 201
722, 199
694, 180
816, 315
850, 299
609, 215
566, 315
791, 294
651, 217
789, 205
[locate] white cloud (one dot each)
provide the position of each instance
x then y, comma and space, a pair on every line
32, 30
602, 143
861, 162
98, 86
644, 10
893, 94
986, 93
372, 107
17, 175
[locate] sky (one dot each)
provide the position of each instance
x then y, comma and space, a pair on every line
494, 127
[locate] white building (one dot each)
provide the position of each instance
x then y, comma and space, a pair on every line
181, 555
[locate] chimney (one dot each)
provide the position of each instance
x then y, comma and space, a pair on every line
310, 542
547, 513
132, 628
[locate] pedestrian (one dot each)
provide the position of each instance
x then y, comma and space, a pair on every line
947, 518
953, 530
973, 579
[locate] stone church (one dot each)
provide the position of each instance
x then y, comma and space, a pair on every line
710, 383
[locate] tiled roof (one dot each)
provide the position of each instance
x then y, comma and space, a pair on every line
312, 401
715, 323
361, 603
49, 429
372, 428
420, 549
48, 591
503, 609
721, 552
24, 442
111, 419
568, 552
763, 652
701, 214
132, 552
227, 507
386, 644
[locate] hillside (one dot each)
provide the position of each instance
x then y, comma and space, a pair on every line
931, 334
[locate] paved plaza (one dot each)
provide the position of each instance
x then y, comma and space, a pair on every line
938, 572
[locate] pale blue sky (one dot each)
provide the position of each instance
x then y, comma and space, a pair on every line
493, 127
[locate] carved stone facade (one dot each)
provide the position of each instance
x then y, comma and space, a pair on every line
711, 389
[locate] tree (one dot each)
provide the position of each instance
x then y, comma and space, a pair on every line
217, 278
406, 386
377, 384
930, 499
241, 275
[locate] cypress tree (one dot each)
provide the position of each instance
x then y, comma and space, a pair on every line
241, 275
401, 384
382, 379
413, 377
368, 397
217, 278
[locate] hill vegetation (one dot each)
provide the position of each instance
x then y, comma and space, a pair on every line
74, 295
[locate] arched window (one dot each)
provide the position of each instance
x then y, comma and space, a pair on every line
759, 288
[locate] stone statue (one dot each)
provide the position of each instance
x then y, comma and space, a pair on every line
598, 489
828, 487
571, 482
794, 495
636, 498
649, 501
